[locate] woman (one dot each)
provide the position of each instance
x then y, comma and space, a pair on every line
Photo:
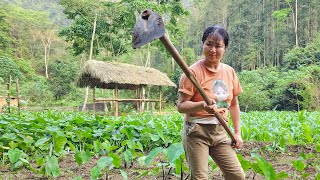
203, 134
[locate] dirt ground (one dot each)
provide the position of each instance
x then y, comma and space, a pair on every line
281, 161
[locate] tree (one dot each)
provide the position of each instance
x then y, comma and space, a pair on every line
61, 77
9, 69
47, 37
115, 21
5, 38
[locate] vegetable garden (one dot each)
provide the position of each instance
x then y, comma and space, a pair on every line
74, 145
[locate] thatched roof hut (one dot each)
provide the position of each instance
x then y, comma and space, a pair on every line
107, 75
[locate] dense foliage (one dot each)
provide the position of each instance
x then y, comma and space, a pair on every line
281, 90
9, 69
45, 137
267, 43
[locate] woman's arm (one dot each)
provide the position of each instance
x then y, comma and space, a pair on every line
185, 105
235, 116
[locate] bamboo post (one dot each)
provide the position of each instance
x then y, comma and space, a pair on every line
138, 97
160, 99
116, 100
143, 96
18, 95
9, 97
94, 100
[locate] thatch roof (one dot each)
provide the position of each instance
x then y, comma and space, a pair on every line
106, 75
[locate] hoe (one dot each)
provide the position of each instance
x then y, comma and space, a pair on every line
151, 27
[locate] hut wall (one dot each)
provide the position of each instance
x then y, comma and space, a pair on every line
3, 102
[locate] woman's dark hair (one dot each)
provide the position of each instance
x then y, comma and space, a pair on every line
217, 31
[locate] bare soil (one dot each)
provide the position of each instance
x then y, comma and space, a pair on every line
280, 159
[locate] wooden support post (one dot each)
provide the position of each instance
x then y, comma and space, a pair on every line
9, 97
18, 95
143, 96
138, 97
160, 99
116, 100
94, 100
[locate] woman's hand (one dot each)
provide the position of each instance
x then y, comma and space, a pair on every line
210, 108
239, 141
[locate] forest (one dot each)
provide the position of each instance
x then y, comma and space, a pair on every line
274, 49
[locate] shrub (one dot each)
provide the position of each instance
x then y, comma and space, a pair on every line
303, 56
9, 68
36, 92
61, 75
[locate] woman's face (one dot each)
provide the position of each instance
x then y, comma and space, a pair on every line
213, 49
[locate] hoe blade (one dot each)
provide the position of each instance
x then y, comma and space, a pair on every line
149, 27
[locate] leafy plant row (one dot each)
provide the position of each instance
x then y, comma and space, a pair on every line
282, 128
44, 137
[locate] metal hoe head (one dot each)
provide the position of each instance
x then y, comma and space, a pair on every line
147, 29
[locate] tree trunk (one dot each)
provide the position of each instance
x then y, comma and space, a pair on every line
90, 58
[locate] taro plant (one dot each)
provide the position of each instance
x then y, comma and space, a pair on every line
17, 158
174, 155
303, 162
105, 164
266, 169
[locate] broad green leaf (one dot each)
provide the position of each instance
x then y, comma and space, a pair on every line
267, 169
139, 146
52, 166
95, 173
174, 152
14, 155
86, 156
24, 160
9, 136
59, 143
317, 176
104, 162
282, 175
78, 178
130, 144
141, 160
124, 175
97, 146
4, 122
305, 175
111, 148
244, 163
26, 139
13, 144
310, 156
18, 165
153, 153
318, 148
40, 161
116, 161
298, 165
154, 137
41, 141
128, 156
178, 163
78, 158
71, 146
